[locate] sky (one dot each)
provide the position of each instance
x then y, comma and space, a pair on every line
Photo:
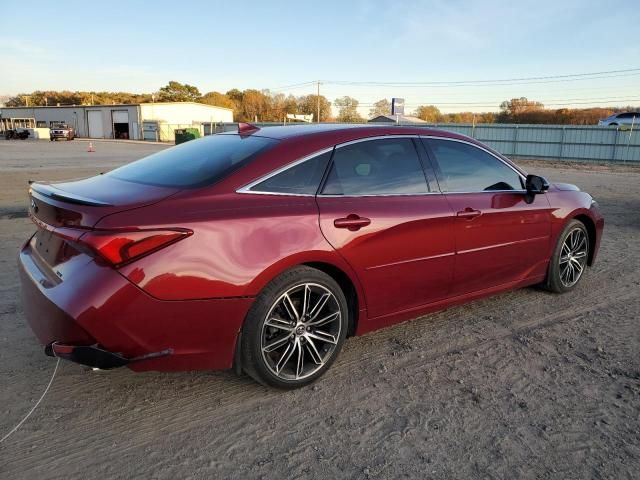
139, 46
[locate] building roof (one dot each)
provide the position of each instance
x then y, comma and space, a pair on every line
396, 118
118, 105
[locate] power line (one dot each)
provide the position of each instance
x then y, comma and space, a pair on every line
295, 85
453, 85
567, 101
504, 81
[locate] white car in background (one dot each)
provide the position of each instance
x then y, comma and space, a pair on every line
619, 119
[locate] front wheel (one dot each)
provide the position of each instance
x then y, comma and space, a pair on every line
569, 259
295, 329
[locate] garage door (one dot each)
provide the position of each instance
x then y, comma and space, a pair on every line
96, 128
120, 116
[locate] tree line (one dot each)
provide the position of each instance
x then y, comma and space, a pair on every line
265, 106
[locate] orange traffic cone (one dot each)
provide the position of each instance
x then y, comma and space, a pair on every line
91, 149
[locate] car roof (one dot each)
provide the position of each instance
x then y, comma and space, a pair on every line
364, 130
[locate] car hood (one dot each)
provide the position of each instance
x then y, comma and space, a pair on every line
566, 187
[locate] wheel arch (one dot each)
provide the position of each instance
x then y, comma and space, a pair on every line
348, 288
590, 225
332, 265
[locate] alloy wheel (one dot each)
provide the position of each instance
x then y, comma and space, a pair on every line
301, 331
573, 257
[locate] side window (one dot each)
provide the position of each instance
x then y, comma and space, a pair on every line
387, 166
466, 168
303, 178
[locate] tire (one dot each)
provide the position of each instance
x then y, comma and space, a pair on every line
283, 348
569, 260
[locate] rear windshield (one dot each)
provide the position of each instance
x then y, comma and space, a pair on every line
195, 163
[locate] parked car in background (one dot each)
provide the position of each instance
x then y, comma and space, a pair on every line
20, 134
620, 119
263, 249
61, 130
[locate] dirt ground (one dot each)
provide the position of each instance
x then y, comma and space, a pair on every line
522, 385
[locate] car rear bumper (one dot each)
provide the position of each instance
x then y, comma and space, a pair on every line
96, 357
98, 308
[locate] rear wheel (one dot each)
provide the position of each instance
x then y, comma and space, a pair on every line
569, 259
295, 329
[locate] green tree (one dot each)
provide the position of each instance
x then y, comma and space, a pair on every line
218, 99
348, 110
381, 107
281, 105
255, 106
178, 92
516, 106
235, 95
428, 113
308, 105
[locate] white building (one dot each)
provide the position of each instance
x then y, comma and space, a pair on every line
148, 121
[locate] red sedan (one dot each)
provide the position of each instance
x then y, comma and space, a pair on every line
263, 249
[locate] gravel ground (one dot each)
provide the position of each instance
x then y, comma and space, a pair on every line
521, 385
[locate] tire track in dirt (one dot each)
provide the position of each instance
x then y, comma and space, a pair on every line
150, 430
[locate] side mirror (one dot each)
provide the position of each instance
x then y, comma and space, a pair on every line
535, 185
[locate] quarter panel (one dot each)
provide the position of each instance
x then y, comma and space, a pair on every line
240, 242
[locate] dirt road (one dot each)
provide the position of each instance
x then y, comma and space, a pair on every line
523, 385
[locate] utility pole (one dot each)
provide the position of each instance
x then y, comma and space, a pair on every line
318, 103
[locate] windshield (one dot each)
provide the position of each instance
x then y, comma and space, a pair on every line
195, 163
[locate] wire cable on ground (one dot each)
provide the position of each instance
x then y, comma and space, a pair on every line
34, 407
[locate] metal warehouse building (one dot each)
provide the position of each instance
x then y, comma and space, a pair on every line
148, 121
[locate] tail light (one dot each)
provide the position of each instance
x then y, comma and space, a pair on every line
120, 247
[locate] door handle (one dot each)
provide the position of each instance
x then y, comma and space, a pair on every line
469, 213
351, 222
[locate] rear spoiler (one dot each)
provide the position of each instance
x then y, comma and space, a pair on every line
50, 191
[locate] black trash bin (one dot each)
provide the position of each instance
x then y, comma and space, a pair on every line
186, 134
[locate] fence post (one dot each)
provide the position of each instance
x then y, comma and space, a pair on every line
562, 143
626, 155
515, 141
615, 144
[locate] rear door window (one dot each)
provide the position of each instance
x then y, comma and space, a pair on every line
195, 163
388, 166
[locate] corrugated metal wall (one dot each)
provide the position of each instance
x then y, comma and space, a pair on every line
560, 142
551, 142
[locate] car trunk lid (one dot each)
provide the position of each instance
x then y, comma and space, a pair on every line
82, 203
65, 211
